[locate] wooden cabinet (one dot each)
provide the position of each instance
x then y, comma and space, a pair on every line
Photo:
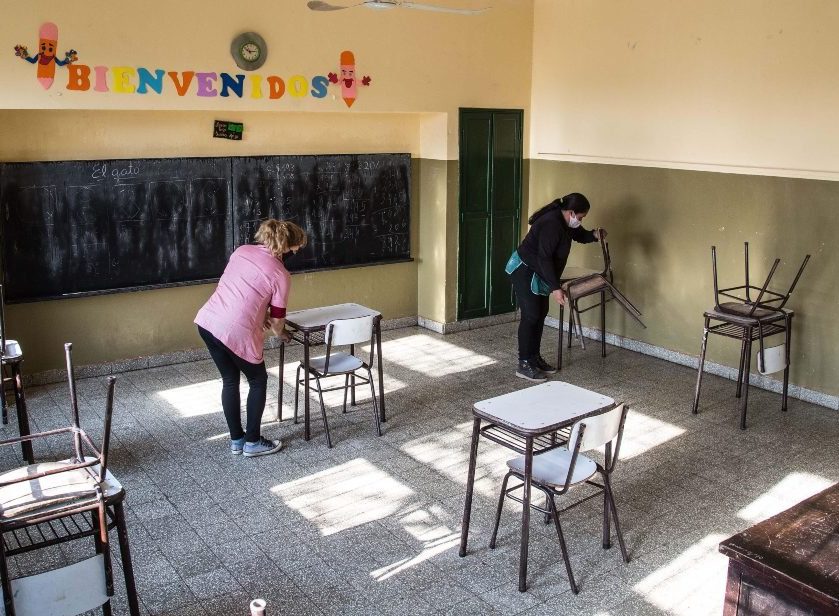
787, 565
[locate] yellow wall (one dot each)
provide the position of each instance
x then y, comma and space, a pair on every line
676, 119
424, 67
746, 87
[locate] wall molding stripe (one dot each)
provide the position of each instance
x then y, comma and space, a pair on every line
808, 174
756, 380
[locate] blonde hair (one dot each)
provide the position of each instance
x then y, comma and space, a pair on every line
280, 235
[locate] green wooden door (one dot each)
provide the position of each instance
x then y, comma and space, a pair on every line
490, 206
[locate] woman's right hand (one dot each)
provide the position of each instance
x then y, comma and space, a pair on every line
560, 297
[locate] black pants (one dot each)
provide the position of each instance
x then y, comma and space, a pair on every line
231, 365
534, 309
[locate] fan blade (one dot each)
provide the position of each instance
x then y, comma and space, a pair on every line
317, 5
442, 9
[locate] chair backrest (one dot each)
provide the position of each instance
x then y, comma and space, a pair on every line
599, 429
342, 332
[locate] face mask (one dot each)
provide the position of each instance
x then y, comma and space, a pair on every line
573, 222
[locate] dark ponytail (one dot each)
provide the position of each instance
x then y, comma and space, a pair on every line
576, 202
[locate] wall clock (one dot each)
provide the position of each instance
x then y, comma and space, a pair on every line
249, 51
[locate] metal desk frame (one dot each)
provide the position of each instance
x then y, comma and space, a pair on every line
308, 328
528, 441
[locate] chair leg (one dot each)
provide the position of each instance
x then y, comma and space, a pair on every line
742, 363
127, 566
22, 414
352, 379
297, 392
6, 581
559, 343
323, 413
571, 323
563, 547
579, 325
498, 511
602, 324
3, 400
701, 366
99, 519
346, 387
610, 497
784, 395
747, 370
375, 403
607, 535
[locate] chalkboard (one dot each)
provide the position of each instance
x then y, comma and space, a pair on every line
85, 227
354, 208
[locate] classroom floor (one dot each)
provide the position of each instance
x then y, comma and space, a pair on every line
372, 525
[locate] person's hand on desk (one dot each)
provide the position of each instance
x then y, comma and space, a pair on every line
600, 234
560, 297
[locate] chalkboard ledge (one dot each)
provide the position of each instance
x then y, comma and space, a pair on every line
189, 283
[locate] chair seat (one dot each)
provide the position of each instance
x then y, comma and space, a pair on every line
572, 271
551, 468
51, 492
737, 313
339, 363
13, 351
585, 286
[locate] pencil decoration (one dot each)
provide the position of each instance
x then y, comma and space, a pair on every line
46, 58
348, 81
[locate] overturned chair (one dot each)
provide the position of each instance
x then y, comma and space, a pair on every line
748, 319
579, 283
50, 503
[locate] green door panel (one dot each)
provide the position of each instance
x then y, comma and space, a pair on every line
490, 209
474, 233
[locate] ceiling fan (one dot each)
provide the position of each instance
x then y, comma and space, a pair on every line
318, 5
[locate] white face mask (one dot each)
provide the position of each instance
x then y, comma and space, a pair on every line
574, 222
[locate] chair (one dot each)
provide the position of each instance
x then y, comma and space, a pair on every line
54, 502
580, 282
11, 356
557, 470
748, 319
342, 332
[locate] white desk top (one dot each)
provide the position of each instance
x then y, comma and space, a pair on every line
542, 408
314, 318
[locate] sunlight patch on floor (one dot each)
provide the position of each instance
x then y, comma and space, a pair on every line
194, 400
432, 357
791, 490
344, 496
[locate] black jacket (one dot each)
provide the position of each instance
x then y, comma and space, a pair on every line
546, 246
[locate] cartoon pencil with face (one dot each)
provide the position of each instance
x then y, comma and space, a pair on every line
348, 81
46, 58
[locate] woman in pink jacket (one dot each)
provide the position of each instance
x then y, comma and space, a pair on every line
251, 298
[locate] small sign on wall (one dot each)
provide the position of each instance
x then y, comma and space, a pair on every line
228, 130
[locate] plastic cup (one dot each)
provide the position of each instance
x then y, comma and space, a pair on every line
258, 607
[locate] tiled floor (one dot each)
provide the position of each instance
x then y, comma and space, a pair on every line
372, 526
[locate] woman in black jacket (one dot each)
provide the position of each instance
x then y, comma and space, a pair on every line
536, 269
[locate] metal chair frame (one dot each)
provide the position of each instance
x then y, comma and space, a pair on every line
349, 382
550, 510
96, 505
575, 324
749, 326
16, 378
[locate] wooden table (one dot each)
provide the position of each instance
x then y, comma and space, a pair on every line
527, 421
308, 327
789, 564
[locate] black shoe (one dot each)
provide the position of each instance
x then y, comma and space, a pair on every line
544, 366
528, 370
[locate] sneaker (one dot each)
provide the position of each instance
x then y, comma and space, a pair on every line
263, 447
528, 370
543, 365
236, 446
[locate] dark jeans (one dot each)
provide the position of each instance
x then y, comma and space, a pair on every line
534, 309
231, 365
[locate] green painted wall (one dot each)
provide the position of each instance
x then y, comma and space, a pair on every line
662, 224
